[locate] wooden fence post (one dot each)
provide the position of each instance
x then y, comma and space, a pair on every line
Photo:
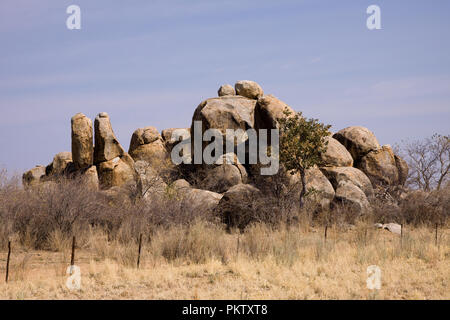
7, 261
401, 235
365, 236
139, 251
237, 247
326, 232
436, 235
72, 257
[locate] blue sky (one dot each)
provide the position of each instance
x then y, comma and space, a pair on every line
150, 63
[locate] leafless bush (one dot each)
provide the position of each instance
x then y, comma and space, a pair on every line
428, 161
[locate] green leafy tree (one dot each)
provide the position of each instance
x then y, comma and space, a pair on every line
301, 144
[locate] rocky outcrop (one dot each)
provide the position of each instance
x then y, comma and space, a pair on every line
147, 170
82, 144
226, 90
336, 154
380, 166
248, 89
358, 140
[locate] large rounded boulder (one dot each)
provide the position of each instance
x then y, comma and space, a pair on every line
227, 112
61, 164
235, 207
117, 172
248, 89
147, 145
352, 196
338, 174
380, 166
268, 110
33, 177
225, 173
336, 154
358, 140
319, 187
226, 90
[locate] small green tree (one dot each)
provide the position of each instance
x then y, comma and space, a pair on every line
301, 144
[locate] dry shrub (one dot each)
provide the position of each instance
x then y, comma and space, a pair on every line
197, 243
47, 216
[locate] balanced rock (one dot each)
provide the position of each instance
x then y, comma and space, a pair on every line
380, 166
33, 177
107, 147
336, 154
248, 89
358, 140
226, 90
351, 195
337, 174
82, 144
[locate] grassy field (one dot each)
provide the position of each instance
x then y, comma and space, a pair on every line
205, 262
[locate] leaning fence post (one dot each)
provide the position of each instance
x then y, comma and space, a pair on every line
72, 257
139, 251
326, 232
7, 261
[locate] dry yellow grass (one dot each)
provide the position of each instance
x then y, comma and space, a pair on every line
203, 263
